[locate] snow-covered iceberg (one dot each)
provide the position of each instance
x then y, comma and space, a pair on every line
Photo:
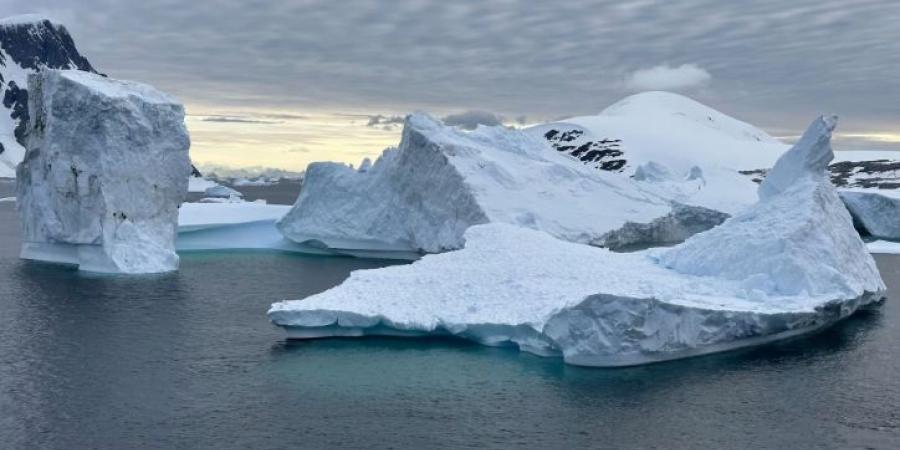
422, 196
105, 170
790, 264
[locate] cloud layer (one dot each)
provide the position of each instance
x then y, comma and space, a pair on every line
775, 63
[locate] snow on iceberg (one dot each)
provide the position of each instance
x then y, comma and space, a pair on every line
422, 196
105, 170
792, 263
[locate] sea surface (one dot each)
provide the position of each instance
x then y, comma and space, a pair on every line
189, 361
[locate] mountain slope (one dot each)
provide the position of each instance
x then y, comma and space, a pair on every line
27, 44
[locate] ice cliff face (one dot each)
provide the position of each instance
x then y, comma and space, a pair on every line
28, 44
799, 218
791, 264
422, 196
105, 171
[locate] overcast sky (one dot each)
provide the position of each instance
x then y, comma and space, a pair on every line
774, 63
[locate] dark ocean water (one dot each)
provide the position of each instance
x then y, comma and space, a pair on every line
189, 360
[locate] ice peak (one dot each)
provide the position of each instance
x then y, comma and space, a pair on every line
806, 160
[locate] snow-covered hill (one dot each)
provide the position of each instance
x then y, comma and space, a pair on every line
28, 43
665, 128
675, 145
661, 135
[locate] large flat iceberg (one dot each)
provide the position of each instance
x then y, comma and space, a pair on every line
790, 264
105, 170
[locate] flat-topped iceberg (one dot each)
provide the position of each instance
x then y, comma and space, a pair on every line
105, 170
790, 264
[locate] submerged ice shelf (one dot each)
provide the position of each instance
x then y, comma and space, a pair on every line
803, 268
248, 226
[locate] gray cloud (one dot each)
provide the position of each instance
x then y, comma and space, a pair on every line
775, 63
386, 123
469, 120
234, 119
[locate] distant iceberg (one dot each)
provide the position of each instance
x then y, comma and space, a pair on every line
789, 264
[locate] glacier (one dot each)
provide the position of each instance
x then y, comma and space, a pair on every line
789, 264
105, 171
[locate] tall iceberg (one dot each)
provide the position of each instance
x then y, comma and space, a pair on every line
423, 195
105, 171
790, 264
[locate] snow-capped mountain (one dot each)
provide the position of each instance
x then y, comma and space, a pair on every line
661, 127
675, 132
28, 44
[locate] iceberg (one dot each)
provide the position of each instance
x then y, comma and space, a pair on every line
790, 264
875, 214
222, 191
422, 196
105, 170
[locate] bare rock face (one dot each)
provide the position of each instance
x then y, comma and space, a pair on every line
105, 171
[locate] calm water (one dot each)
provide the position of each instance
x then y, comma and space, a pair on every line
189, 360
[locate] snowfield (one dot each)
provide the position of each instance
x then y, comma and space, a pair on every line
789, 264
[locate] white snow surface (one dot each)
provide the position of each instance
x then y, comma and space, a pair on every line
422, 196
106, 200
521, 287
